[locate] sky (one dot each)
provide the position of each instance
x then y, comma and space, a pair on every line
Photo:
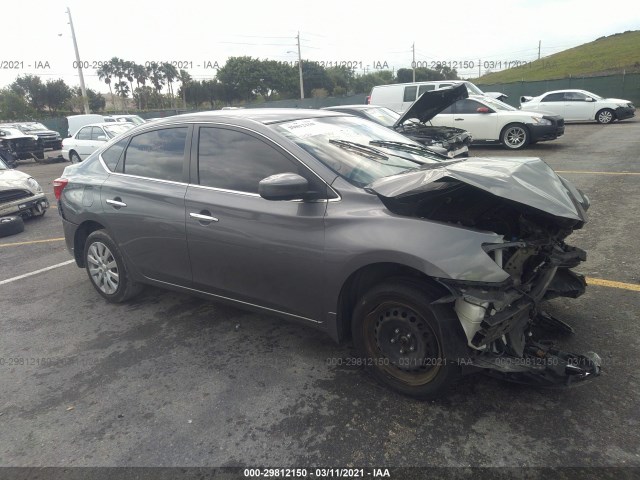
368, 34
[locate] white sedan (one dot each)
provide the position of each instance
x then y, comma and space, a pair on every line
580, 105
89, 138
491, 121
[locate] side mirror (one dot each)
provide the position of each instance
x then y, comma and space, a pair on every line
283, 186
589, 99
482, 110
102, 138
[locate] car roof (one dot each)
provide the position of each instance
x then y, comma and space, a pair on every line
353, 107
566, 90
262, 115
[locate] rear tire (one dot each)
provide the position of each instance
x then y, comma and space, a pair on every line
74, 157
605, 116
107, 269
398, 335
11, 225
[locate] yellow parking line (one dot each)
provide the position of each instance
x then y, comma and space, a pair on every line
31, 242
609, 283
597, 173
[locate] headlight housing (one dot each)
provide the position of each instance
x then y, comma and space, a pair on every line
33, 185
623, 105
541, 121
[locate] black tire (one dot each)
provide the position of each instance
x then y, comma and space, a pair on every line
398, 334
515, 136
107, 270
39, 155
11, 225
605, 116
74, 157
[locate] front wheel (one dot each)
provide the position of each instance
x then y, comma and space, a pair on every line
606, 115
106, 268
515, 136
397, 332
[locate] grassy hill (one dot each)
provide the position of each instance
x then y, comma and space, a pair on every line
606, 55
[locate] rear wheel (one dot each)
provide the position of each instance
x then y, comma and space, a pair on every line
74, 157
397, 332
107, 270
515, 136
606, 115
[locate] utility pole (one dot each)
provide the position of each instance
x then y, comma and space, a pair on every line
300, 68
79, 63
413, 64
539, 45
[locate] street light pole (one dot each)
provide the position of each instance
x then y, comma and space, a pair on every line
300, 69
79, 63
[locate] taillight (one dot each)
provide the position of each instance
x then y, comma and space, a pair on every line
58, 186
368, 99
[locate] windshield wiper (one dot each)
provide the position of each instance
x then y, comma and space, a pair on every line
365, 150
406, 147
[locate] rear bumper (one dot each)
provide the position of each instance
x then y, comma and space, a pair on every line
69, 236
622, 113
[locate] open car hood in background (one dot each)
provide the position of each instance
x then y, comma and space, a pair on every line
431, 103
528, 181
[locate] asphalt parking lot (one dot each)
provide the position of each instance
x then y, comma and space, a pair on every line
172, 380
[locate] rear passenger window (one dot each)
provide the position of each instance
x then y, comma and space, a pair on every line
410, 94
157, 154
237, 161
425, 88
111, 156
467, 106
84, 134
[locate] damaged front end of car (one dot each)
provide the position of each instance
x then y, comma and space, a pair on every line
533, 211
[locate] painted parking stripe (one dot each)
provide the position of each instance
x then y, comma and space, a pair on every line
597, 173
30, 274
609, 283
31, 242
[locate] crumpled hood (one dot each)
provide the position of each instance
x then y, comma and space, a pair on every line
528, 181
431, 103
10, 179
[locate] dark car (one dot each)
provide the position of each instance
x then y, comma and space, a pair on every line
433, 267
47, 139
15, 145
448, 141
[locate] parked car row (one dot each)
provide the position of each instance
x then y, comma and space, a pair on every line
484, 117
88, 138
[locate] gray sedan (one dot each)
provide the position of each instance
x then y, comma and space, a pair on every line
434, 268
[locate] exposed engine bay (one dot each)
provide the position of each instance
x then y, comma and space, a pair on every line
499, 319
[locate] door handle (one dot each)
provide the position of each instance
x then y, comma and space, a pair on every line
116, 202
203, 218
459, 119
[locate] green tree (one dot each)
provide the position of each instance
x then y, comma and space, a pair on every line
56, 94
170, 73
156, 76
314, 77
141, 76
241, 76
122, 89
185, 79
32, 90
342, 78
13, 106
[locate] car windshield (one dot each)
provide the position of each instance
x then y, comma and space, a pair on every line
135, 119
384, 116
34, 127
497, 104
357, 150
473, 90
114, 130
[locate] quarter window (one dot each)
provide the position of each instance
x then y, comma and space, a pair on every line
410, 94
237, 161
553, 97
157, 154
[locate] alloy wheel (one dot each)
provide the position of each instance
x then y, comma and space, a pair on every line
103, 268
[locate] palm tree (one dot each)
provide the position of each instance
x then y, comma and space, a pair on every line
117, 70
156, 76
128, 73
141, 76
185, 79
105, 73
171, 74
122, 89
